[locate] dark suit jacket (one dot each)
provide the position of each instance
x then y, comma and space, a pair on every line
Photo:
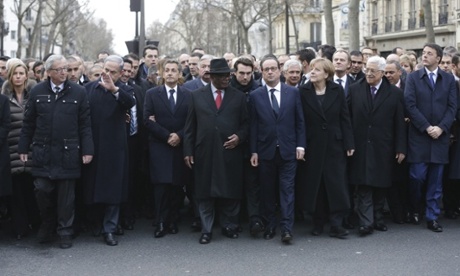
193, 84
426, 107
266, 131
166, 162
379, 132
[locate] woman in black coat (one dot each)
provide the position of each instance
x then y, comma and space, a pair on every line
5, 174
322, 186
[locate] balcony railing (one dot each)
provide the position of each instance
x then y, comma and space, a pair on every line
388, 26
411, 23
443, 18
375, 28
398, 25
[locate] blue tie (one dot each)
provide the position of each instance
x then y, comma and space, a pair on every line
275, 106
339, 81
432, 80
171, 99
133, 122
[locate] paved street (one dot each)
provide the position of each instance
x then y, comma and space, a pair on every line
403, 250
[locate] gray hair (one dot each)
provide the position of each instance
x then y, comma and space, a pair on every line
380, 61
52, 59
116, 59
206, 57
291, 62
396, 63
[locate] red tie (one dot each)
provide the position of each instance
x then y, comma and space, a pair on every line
218, 98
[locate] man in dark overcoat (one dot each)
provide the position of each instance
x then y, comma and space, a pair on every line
217, 124
377, 112
166, 108
431, 102
106, 180
57, 124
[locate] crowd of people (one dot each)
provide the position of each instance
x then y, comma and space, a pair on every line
331, 134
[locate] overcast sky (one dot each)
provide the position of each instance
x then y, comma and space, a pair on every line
121, 20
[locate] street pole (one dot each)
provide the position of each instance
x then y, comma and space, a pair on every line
142, 31
286, 14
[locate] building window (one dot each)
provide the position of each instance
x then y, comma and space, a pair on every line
375, 22
12, 54
443, 13
388, 16
13, 35
315, 32
28, 15
412, 21
398, 15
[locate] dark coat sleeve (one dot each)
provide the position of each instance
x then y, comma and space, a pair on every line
190, 128
85, 132
155, 129
28, 125
4, 119
400, 124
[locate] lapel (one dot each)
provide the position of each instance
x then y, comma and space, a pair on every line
165, 98
331, 95
266, 101
382, 94
209, 97
180, 97
228, 95
312, 101
364, 94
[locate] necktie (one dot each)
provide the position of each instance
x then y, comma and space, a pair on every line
133, 121
339, 81
432, 80
218, 98
171, 99
373, 91
275, 106
303, 80
57, 89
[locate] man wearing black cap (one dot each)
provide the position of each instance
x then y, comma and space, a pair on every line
216, 125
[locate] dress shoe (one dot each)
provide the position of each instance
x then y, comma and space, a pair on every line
450, 214
109, 239
196, 225
338, 232
172, 229
256, 227
205, 238
230, 233
317, 230
119, 231
269, 233
434, 226
380, 227
286, 237
415, 218
365, 230
65, 242
160, 231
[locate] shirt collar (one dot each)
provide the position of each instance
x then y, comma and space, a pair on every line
378, 85
213, 89
435, 71
169, 88
277, 87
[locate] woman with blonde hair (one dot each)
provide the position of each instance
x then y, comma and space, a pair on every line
406, 63
23, 207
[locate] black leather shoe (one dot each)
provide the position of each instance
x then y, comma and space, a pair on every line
380, 227
65, 242
230, 233
286, 237
205, 238
450, 215
172, 228
365, 230
269, 233
415, 218
256, 227
119, 231
317, 230
338, 232
196, 225
109, 239
160, 231
434, 226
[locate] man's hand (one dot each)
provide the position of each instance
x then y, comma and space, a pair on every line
350, 152
152, 118
254, 160
232, 142
107, 83
434, 131
173, 140
188, 161
400, 157
300, 153
23, 157
87, 159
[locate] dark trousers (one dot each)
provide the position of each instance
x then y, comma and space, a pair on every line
322, 210
272, 174
369, 205
24, 209
451, 195
103, 217
56, 202
251, 191
167, 202
228, 213
431, 174
110, 220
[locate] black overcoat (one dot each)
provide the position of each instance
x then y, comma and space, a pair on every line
379, 131
106, 177
5, 171
218, 171
167, 164
329, 136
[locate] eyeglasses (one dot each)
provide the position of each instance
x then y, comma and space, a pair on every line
60, 69
271, 69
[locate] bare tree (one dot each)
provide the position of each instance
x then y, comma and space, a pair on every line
92, 38
21, 8
353, 24
330, 34
428, 15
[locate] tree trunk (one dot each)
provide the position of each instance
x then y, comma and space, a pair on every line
428, 15
353, 24
49, 47
296, 33
330, 35
246, 40
35, 37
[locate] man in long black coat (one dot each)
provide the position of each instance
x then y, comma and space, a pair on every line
106, 180
377, 112
165, 118
217, 124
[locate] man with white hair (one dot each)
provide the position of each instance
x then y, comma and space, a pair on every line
380, 135
292, 71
